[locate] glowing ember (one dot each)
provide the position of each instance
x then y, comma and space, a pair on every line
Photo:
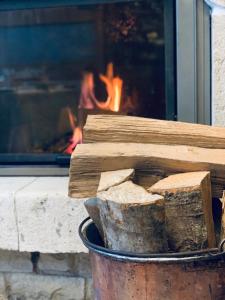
89, 101
75, 140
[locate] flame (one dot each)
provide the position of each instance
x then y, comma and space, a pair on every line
114, 87
77, 136
89, 101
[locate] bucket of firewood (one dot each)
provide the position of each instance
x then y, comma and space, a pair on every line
121, 275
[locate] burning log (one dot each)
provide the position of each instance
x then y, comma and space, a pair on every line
89, 160
126, 129
188, 207
132, 219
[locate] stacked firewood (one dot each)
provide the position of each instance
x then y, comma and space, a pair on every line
150, 183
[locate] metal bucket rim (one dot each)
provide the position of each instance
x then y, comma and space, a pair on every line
180, 257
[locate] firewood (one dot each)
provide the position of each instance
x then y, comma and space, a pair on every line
92, 207
222, 232
188, 207
89, 160
112, 178
127, 129
107, 180
132, 219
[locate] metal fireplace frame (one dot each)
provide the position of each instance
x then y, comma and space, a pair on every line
187, 75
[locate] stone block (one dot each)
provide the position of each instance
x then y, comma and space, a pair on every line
48, 219
54, 263
14, 261
80, 265
36, 287
89, 289
3, 295
9, 186
218, 66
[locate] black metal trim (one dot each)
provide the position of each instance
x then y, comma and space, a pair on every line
34, 159
205, 254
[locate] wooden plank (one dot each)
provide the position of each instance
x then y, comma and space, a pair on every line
188, 210
126, 129
89, 160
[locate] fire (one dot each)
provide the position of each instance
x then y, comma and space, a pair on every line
114, 87
75, 140
88, 100
77, 133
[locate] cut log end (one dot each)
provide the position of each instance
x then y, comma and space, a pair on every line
188, 203
113, 178
132, 219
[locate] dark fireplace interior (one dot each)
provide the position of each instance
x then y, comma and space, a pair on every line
59, 64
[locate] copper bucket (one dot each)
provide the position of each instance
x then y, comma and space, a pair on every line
171, 276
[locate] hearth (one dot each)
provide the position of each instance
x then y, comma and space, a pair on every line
62, 61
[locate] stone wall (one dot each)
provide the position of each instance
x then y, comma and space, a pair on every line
36, 215
58, 277
218, 63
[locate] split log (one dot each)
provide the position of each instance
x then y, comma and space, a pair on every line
222, 232
107, 180
89, 160
127, 129
112, 178
92, 207
132, 219
188, 207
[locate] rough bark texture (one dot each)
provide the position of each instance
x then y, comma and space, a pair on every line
126, 129
113, 178
222, 232
89, 160
132, 219
188, 203
92, 207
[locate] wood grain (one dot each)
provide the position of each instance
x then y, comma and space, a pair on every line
89, 160
188, 210
127, 129
132, 219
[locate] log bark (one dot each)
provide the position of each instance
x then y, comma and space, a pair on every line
107, 180
222, 232
89, 160
132, 219
188, 207
92, 207
127, 129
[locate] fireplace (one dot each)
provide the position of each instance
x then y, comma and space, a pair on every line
59, 63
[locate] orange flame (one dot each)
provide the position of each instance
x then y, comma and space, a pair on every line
114, 87
89, 101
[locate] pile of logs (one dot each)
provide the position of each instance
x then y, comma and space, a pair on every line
150, 183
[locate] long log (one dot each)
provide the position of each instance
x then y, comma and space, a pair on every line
188, 210
89, 160
132, 219
127, 129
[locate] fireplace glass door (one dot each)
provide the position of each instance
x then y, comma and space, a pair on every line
59, 63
